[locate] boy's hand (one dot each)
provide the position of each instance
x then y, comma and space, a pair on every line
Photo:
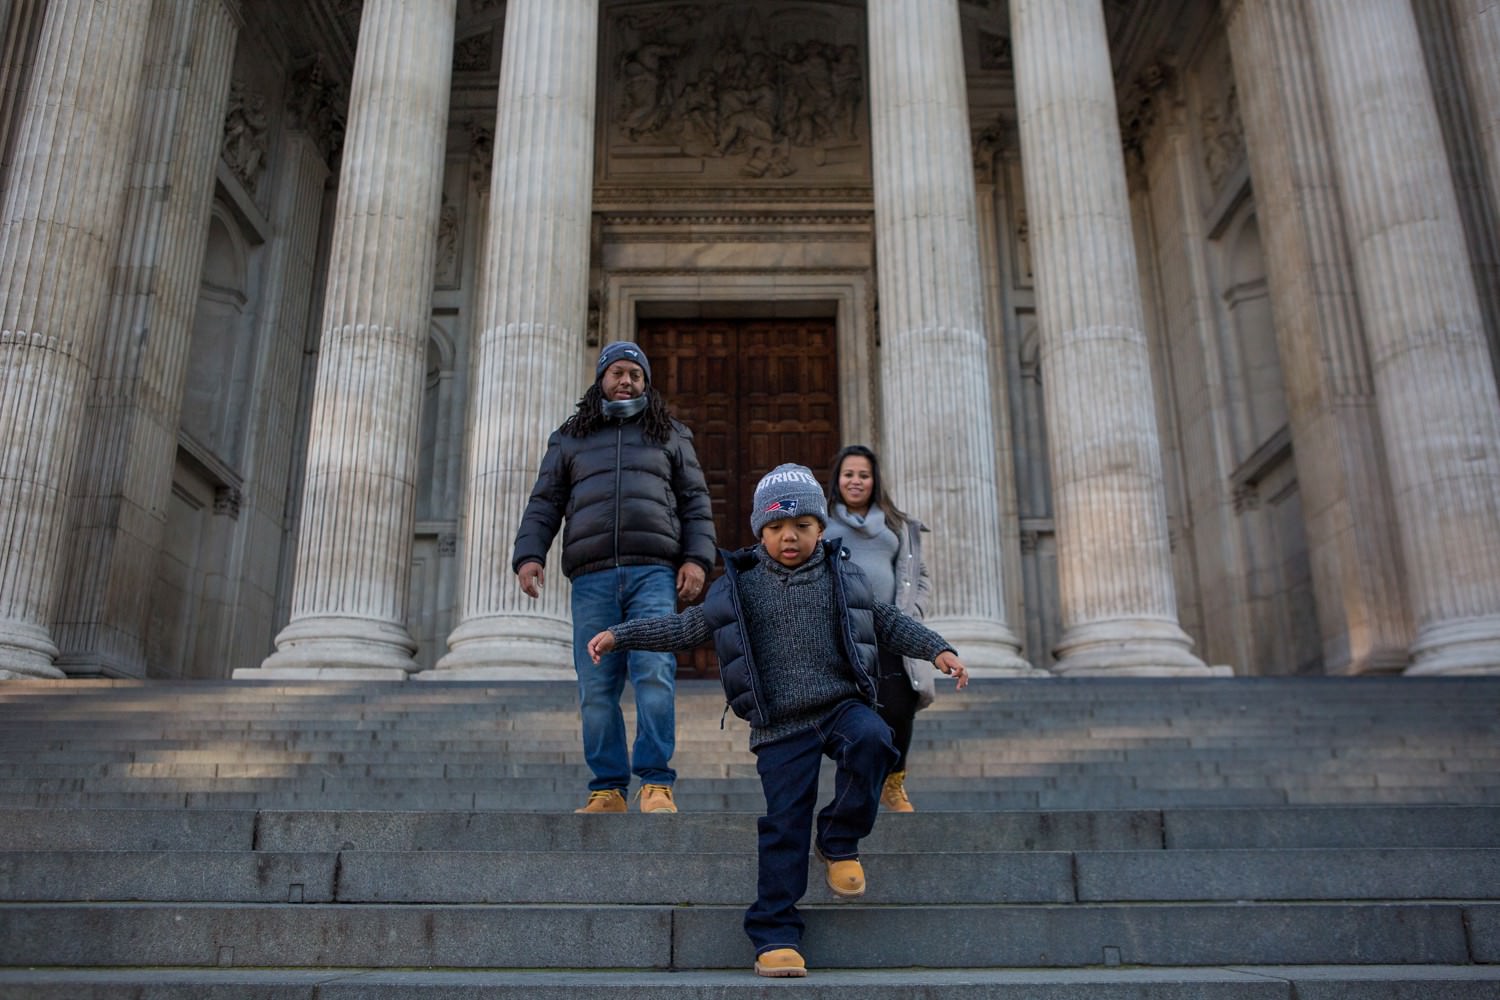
947, 661
601, 644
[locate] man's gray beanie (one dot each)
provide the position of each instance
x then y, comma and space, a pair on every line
787, 491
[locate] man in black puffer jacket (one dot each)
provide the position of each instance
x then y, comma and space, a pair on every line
639, 535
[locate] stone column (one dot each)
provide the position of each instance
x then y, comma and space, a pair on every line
350, 595
1435, 386
1330, 391
129, 447
59, 227
1119, 606
936, 376
533, 310
1477, 24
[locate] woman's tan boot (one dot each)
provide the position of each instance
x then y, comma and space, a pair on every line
893, 796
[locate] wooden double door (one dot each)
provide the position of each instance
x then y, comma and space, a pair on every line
755, 394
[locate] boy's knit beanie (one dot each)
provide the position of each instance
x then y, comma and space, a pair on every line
787, 491
621, 350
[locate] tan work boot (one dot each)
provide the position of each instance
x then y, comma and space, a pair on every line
604, 800
846, 878
657, 799
893, 795
780, 962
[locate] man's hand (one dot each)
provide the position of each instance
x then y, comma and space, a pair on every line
689, 581
532, 578
601, 644
949, 664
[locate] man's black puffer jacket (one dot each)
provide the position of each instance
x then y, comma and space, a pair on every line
628, 502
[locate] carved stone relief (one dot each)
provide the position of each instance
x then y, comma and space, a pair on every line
1223, 137
718, 91
481, 154
449, 236
316, 104
246, 135
473, 54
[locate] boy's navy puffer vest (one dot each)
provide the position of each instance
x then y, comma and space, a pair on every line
721, 608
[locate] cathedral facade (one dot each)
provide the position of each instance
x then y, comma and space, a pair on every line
1176, 321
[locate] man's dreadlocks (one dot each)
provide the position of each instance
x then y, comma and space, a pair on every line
656, 419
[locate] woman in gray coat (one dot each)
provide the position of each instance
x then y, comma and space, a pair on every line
886, 544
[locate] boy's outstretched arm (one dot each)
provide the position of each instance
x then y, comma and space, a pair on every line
666, 634
948, 662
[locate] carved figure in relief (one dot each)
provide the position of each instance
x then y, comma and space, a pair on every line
446, 258
645, 98
245, 127
848, 91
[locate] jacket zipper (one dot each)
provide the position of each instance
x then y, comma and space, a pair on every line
619, 449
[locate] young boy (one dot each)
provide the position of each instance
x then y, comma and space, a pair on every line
796, 631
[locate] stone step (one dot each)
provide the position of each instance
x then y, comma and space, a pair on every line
843, 935
727, 877
1247, 982
325, 830
1076, 796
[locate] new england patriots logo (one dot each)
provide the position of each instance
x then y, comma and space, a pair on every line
786, 507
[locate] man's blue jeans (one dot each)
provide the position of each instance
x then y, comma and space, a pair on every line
859, 742
606, 598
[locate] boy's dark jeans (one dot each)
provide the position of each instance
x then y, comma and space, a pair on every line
856, 739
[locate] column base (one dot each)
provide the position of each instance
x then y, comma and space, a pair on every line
987, 647
507, 647
1130, 647
27, 652
1467, 646
337, 648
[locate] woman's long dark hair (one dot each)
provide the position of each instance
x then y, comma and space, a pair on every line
895, 518
656, 419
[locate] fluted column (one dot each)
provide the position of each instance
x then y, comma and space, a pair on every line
350, 596
129, 448
1435, 386
934, 365
534, 304
1118, 602
58, 232
1477, 24
1351, 531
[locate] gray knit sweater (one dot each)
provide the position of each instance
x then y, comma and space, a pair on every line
792, 626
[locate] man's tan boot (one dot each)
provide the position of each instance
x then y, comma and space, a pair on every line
893, 795
657, 799
780, 962
604, 800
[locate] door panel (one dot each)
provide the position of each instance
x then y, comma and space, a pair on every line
755, 393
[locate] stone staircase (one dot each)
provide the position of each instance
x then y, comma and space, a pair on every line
1296, 839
